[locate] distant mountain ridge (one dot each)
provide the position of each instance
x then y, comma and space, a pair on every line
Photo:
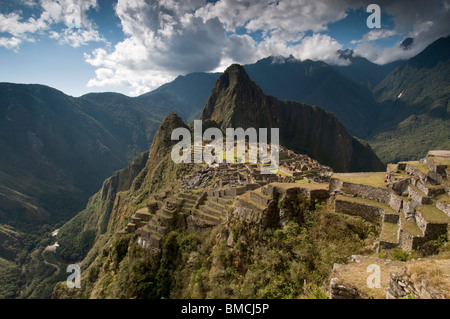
363, 71
415, 99
317, 83
57, 150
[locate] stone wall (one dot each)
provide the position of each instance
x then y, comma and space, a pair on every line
407, 241
443, 207
369, 192
401, 286
395, 202
338, 291
430, 230
370, 213
417, 195
335, 185
364, 191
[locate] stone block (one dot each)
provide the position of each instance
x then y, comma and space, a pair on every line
395, 202
418, 196
433, 178
444, 207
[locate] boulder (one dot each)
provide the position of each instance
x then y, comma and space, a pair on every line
433, 178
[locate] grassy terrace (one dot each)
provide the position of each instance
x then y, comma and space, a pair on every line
417, 190
419, 166
368, 202
445, 198
435, 271
432, 214
143, 211
399, 173
258, 191
311, 186
441, 161
389, 232
375, 179
246, 197
410, 227
445, 181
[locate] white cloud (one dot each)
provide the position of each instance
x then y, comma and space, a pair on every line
294, 16
77, 37
10, 43
52, 12
320, 47
376, 34
424, 21
164, 39
167, 38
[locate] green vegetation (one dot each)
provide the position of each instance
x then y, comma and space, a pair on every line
10, 279
417, 121
288, 262
401, 255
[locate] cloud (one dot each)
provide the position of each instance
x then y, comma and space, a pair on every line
167, 38
77, 37
320, 47
10, 43
294, 16
376, 34
424, 21
51, 13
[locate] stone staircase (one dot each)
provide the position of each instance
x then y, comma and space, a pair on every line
210, 209
153, 222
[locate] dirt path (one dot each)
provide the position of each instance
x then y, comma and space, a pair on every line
52, 249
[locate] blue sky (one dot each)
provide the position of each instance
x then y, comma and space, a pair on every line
135, 46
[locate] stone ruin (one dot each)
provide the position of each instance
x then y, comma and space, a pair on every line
209, 195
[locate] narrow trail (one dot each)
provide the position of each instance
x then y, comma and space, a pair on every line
51, 249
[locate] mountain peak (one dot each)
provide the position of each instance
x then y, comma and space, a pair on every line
233, 75
233, 94
162, 142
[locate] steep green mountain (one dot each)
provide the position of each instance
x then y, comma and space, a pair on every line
57, 150
363, 71
236, 101
317, 83
416, 106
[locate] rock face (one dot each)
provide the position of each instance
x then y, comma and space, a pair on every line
401, 286
162, 142
236, 101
